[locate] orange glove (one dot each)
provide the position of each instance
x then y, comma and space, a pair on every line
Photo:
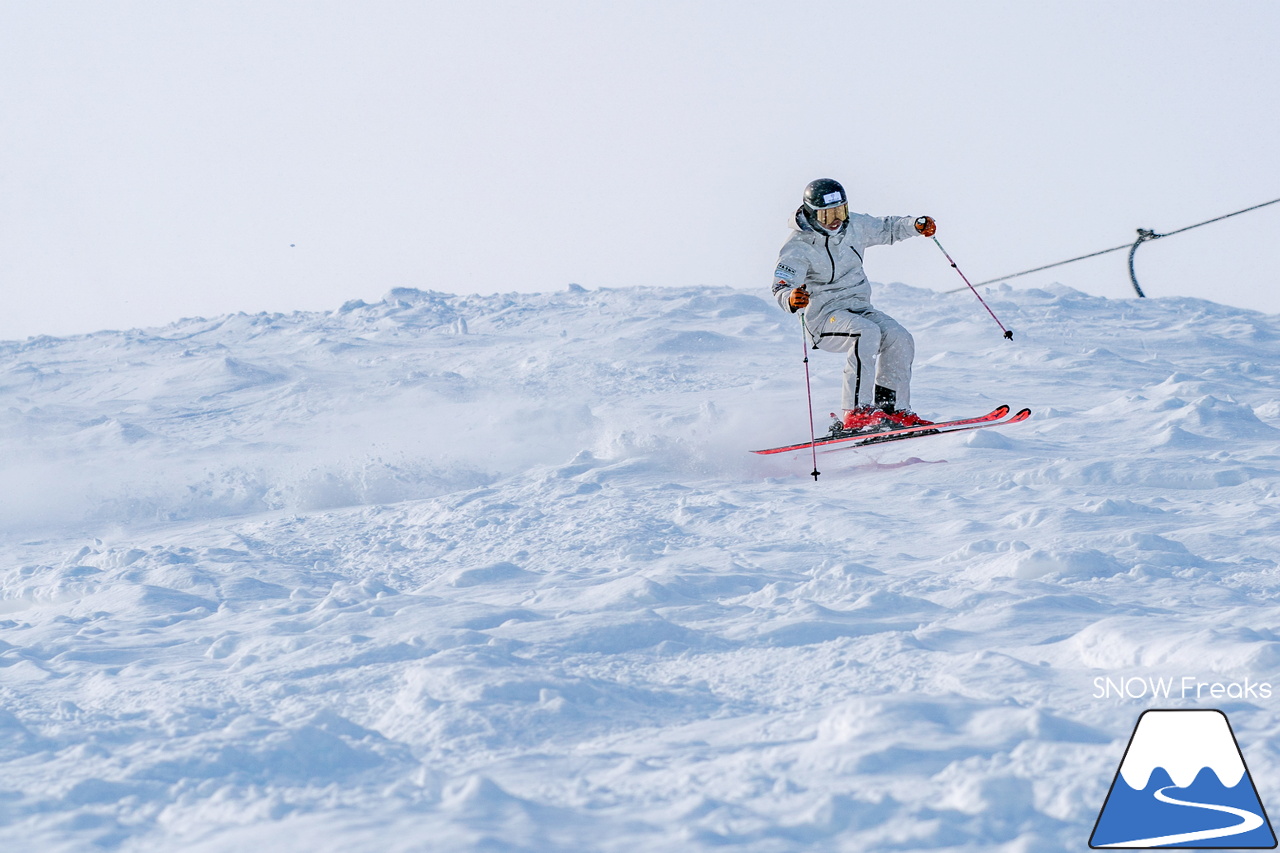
798, 299
926, 226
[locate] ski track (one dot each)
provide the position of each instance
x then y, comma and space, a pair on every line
498, 573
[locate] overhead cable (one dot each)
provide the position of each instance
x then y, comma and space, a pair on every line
1144, 235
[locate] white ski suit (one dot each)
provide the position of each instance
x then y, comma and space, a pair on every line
839, 317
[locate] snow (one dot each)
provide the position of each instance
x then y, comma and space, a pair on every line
460, 573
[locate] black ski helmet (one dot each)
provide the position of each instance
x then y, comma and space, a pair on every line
824, 193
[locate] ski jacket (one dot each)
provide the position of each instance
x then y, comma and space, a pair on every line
829, 266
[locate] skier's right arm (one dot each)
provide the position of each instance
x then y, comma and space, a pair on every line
788, 281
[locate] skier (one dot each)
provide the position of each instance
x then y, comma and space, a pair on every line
820, 273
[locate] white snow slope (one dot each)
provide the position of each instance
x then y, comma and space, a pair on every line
461, 573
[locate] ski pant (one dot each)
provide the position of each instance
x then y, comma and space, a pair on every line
880, 352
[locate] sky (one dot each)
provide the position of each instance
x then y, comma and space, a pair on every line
161, 160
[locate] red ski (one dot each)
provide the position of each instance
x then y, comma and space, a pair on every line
996, 417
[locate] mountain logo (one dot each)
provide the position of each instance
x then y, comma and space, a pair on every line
1183, 783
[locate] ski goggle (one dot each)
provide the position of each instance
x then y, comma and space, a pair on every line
831, 217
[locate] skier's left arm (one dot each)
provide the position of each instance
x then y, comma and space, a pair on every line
887, 230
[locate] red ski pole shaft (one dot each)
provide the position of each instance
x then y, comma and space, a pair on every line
1007, 333
808, 390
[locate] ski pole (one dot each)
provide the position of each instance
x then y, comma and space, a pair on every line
1008, 334
808, 390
